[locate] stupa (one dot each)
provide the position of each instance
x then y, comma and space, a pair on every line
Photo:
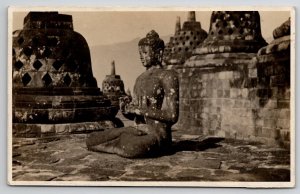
274, 79
184, 41
235, 32
113, 86
218, 89
53, 86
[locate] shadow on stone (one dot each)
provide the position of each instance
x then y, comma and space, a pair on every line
186, 145
118, 123
194, 145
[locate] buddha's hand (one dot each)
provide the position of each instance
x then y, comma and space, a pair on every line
130, 108
124, 101
138, 106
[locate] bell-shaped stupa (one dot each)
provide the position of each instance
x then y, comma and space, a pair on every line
232, 35
113, 86
52, 78
184, 41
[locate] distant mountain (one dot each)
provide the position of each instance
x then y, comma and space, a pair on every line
126, 57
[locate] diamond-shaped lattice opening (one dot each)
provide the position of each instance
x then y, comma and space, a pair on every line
37, 64
47, 79
72, 65
57, 64
28, 51
35, 40
236, 24
65, 52
67, 80
52, 41
47, 52
241, 31
81, 80
20, 40
18, 65
14, 52
26, 79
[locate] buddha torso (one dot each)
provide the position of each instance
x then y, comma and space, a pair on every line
149, 93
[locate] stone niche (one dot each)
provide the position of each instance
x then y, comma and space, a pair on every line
231, 89
54, 90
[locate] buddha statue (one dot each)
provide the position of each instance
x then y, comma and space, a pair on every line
154, 107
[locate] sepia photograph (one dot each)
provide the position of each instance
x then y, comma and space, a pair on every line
151, 97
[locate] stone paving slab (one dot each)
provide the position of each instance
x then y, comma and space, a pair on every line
193, 158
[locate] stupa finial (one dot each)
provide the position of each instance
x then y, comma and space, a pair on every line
113, 68
191, 16
178, 25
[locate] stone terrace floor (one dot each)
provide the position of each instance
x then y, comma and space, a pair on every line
194, 158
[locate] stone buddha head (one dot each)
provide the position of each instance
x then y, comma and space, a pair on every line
151, 49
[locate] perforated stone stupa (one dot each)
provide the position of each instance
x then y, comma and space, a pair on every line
232, 34
224, 91
54, 89
113, 86
184, 41
233, 31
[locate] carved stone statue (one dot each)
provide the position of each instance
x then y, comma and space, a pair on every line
154, 107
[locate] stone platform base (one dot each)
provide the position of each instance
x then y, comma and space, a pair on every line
39, 130
193, 158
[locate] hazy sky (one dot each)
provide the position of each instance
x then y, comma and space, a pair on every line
101, 28
104, 28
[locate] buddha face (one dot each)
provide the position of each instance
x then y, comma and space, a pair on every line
149, 57
146, 55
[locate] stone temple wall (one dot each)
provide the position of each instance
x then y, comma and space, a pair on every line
273, 92
218, 100
237, 87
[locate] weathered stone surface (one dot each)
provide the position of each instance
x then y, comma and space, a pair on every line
52, 76
220, 60
233, 88
37, 130
283, 30
273, 69
233, 31
193, 158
